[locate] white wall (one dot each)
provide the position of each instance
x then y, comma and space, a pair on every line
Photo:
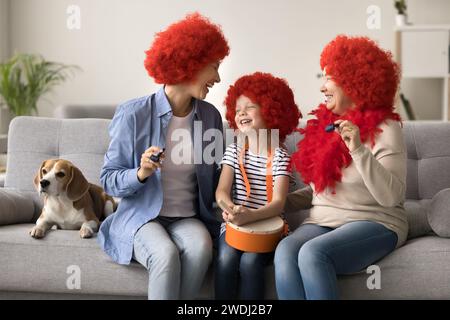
284, 37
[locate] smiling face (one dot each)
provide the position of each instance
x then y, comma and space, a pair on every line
204, 80
335, 98
248, 115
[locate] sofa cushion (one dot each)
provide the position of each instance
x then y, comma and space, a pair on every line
427, 142
439, 213
43, 265
416, 214
417, 270
15, 207
82, 141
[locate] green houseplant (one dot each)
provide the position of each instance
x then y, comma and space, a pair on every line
25, 78
400, 5
401, 17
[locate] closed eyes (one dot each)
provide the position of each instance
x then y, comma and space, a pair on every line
246, 108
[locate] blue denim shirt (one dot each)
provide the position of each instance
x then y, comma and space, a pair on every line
137, 125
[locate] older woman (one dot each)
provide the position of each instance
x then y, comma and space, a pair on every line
354, 159
166, 208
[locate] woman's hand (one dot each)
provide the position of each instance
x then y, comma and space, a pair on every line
349, 133
147, 166
240, 215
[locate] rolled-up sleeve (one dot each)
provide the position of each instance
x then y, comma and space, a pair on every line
119, 172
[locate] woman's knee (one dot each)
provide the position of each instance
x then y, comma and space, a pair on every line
165, 255
286, 249
311, 253
193, 239
199, 248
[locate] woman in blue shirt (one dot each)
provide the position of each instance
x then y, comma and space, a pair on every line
166, 208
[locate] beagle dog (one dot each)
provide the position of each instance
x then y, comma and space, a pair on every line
70, 201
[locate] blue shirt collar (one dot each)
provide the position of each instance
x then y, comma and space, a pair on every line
163, 106
162, 103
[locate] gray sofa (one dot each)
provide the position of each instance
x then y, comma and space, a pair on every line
31, 268
78, 111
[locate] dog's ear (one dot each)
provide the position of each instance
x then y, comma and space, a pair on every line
38, 176
77, 185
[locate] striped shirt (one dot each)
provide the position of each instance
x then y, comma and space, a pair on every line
255, 168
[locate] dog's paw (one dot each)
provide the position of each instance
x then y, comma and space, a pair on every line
86, 232
37, 233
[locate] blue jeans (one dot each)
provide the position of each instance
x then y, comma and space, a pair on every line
232, 264
177, 253
308, 261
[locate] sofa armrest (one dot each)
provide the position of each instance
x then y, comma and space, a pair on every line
15, 207
439, 213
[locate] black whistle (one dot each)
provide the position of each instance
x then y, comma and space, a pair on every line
155, 157
331, 127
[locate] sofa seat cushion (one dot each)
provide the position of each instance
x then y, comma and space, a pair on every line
417, 270
28, 264
31, 265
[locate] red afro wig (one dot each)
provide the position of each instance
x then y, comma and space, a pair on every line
366, 73
273, 95
180, 52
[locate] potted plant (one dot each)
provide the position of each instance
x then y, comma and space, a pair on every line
24, 79
401, 17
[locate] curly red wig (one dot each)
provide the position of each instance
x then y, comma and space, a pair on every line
370, 77
187, 46
366, 73
272, 94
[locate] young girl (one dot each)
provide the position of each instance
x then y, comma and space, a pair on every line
255, 104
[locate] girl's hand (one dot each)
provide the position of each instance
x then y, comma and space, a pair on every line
240, 215
349, 133
147, 166
225, 216
227, 209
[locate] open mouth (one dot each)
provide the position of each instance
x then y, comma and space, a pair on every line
245, 121
328, 97
209, 86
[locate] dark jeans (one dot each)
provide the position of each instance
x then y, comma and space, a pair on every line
232, 265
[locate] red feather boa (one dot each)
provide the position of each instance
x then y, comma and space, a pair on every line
321, 155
